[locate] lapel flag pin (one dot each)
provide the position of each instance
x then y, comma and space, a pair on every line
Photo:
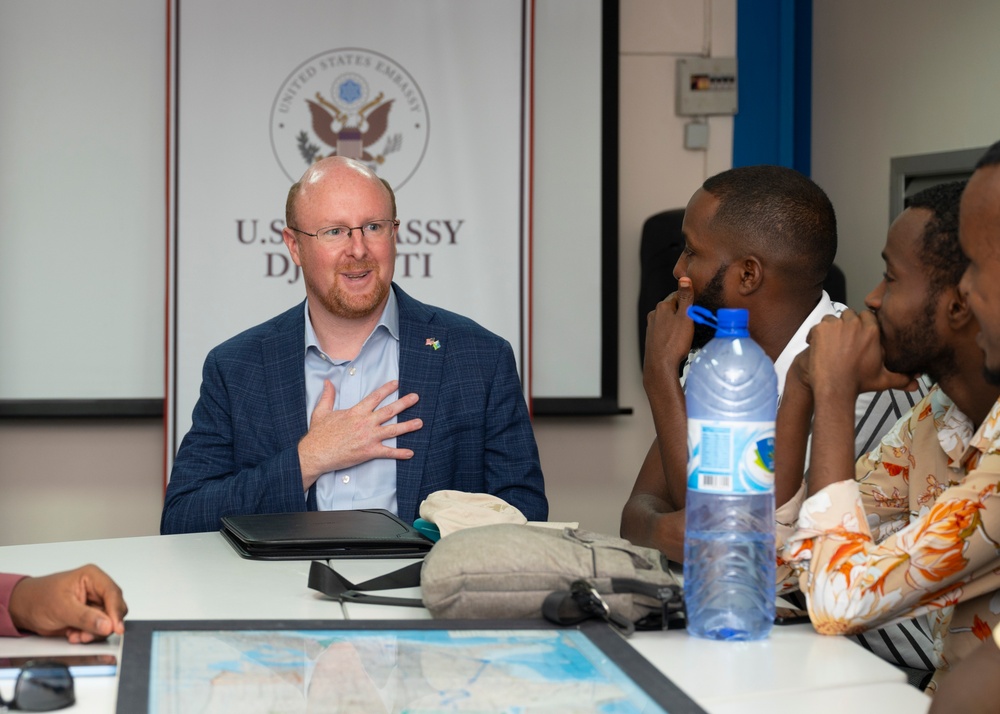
433, 342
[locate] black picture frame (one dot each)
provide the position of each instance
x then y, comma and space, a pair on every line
136, 658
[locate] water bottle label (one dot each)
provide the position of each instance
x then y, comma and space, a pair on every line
731, 457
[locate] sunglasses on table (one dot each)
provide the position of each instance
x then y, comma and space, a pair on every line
41, 687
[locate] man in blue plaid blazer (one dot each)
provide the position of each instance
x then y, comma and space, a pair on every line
362, 396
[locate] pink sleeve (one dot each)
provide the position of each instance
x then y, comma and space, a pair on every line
7, 583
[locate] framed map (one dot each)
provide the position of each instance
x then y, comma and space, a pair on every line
174, 667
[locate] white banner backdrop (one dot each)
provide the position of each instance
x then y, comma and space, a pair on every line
430, 93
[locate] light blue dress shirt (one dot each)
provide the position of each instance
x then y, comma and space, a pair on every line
371, 484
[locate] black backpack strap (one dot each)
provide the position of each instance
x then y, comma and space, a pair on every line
580, 603
583, 602
671, 615
334, 585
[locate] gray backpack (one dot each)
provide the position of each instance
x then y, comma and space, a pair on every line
506, 571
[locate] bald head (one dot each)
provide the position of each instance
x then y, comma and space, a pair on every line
327, 172
779, 215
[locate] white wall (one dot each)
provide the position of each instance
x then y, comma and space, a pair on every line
895, 78
67, 480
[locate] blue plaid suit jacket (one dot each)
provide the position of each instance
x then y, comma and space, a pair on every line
241, 457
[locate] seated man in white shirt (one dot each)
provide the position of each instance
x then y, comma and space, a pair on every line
760, 238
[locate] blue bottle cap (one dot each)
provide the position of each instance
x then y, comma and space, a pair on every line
730, 322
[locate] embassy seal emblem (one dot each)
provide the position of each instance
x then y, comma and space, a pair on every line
350, 102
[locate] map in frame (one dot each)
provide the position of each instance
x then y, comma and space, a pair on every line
392, 667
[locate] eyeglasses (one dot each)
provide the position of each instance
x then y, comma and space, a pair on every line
41, 687
338, 234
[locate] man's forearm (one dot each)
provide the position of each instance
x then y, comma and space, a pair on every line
666, 401
196, 500
646, 522
669, 536
832, 456
513, 466
792, 429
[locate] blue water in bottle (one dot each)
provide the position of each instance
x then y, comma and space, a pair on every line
729, 558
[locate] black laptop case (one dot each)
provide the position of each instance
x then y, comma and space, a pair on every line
370, 533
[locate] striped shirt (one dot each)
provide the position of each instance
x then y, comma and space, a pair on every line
908, 644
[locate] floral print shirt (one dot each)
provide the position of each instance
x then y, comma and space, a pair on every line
915, 532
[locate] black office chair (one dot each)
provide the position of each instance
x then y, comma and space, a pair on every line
836, 284
661, 245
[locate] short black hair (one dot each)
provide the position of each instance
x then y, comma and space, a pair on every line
939, 249
991, 157
778, 212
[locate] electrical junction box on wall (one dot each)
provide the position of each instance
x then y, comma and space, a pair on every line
706, 85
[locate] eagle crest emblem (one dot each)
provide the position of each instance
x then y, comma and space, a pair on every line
350, 134
354, 103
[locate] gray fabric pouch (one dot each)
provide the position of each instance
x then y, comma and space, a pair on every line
508, 571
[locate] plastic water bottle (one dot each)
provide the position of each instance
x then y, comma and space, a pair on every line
729, 557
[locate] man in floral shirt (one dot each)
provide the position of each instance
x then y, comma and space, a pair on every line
917, 528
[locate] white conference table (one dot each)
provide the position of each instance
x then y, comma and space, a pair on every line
200, 577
